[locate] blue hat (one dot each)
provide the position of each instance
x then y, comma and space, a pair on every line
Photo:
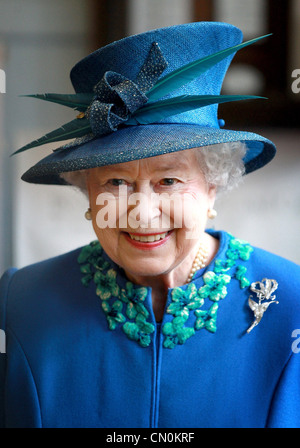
146, 95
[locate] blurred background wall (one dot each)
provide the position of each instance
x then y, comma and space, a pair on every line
40, 41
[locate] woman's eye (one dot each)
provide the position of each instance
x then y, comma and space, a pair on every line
168, 181
117, 182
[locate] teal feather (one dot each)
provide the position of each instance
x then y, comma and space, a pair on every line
75, 128
154, 112
189, 72
78, 101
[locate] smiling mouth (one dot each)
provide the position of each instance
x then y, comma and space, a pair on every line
148, 238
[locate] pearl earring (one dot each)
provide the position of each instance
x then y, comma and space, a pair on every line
88, 214
211, 213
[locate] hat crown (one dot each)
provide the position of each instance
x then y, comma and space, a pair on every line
180, 45
147, 95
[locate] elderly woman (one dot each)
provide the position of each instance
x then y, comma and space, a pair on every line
159, 322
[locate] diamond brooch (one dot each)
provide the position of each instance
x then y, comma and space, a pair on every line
264, 291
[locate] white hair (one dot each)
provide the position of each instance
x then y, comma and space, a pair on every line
221, 164
76, 179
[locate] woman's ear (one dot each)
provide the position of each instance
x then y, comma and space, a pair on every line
212, 193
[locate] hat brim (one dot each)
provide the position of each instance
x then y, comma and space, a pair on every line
140, 142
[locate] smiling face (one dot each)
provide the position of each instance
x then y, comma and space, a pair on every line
149, 214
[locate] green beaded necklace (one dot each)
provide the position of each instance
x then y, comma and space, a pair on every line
124, 306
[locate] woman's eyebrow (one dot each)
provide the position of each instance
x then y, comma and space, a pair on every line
180, 166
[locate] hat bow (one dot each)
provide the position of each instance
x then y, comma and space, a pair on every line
117, 97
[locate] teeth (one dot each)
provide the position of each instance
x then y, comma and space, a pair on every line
148, 239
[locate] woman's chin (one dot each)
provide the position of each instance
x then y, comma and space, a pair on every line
145, 271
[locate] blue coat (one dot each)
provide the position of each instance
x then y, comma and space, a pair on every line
83, 348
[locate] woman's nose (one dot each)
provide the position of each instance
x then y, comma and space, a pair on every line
143, 208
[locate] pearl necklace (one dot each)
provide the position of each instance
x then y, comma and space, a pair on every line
199, 261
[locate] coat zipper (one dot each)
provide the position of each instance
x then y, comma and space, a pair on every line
157, 355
